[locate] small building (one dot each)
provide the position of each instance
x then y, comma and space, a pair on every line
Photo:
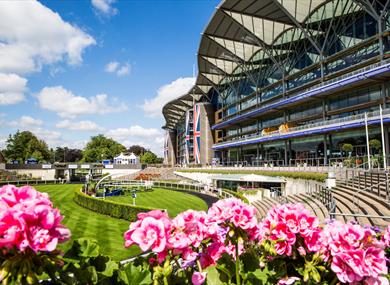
125, 158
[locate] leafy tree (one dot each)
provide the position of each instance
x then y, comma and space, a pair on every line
137, 150
64, 154
149, 158
100, 147
23, 145
375, 144
347, 147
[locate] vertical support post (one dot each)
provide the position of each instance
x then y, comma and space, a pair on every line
368, 142
383, 140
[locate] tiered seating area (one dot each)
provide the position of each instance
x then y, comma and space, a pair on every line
370, 192
311, 203
370, 197
154, 173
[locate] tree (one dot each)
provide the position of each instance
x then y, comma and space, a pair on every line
100, 147
64, 154
375, 144
347, 147
137, 150
150, 158
23, 145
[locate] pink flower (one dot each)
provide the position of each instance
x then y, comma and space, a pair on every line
149, 231
28, 220
288, 280
150, 234
375, 261
354, 252
198, 278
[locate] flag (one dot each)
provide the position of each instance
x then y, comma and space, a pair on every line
197, 133
187, 139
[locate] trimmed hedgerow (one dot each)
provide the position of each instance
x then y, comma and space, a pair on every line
110, 208
296, 175
237, 195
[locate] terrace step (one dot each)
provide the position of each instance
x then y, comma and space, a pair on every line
367, 206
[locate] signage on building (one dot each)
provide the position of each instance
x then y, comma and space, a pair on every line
46, 166
85, 166
72, 166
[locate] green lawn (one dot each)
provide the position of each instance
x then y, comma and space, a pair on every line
109, 231
85, 223
174, 201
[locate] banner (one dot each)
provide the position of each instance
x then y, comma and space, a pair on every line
187, 139
197, 133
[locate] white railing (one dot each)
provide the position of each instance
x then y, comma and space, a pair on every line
319, 85
328, 123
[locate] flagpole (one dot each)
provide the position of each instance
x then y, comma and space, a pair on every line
383, 139
367, 141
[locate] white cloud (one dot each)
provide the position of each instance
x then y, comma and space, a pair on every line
150, 138
124, 70
3, 141
32, 35
67, 105
118, 68
133, 131
104, 7
25, 122
12, 88
166, 93
112, 66
79, 125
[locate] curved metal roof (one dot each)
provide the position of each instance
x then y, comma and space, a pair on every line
242, 31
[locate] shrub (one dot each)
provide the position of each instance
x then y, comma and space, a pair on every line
296, 175
110, 208
237, 195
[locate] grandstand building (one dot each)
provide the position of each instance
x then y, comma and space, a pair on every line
283, 81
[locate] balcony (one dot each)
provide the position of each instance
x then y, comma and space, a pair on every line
355, 121
330, 85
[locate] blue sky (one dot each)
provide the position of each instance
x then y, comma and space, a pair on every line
72, 69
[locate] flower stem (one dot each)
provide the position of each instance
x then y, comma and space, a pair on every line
238, 281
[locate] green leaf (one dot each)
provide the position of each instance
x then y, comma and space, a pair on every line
111, 266
92, 274
88, 247
134, 275
213, 276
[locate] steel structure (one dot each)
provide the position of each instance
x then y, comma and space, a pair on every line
264, 64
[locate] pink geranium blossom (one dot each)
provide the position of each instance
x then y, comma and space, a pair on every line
28, 220
198, 278
149, 231
355, 253
285, 223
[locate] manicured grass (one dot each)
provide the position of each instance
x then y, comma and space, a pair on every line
85, 223
174, 201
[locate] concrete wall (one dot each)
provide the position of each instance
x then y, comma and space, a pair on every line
2, 166
297, 186
121, 171
44, 174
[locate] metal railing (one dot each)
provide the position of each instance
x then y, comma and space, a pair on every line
306, 90
336, 122
33, 182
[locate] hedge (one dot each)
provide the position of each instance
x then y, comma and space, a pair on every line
296, 175
110, 208
237, 195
